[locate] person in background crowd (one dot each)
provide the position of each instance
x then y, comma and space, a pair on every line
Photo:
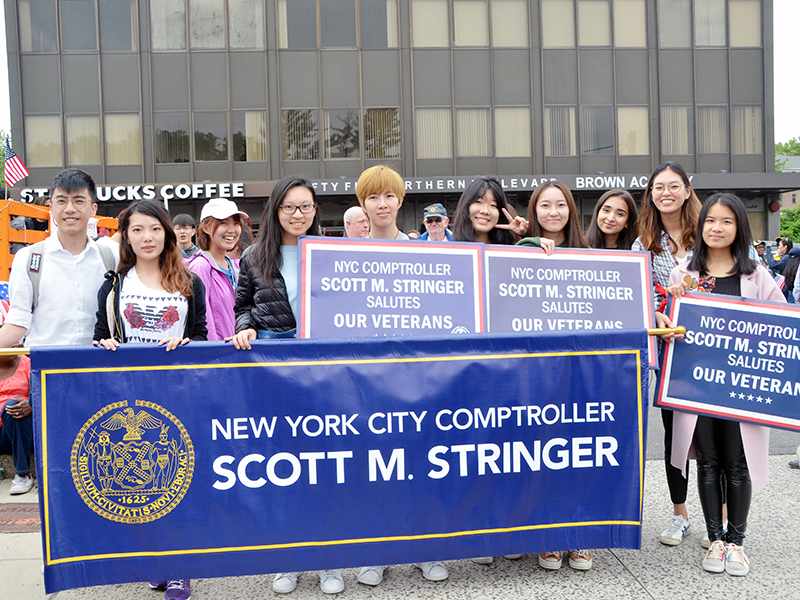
356, 223
413, 234
267, 298
790, 274
435, 219
185, 228
30, 223
219, 231
777, 266
721, 264
613, 223
668, 229
761, 249
553, 221
16, 420
380, 191
151, 283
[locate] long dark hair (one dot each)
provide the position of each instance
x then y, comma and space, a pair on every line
650, 224
740, 248
790, 271
573, 235
175, 277
265, 254
462, 224
595, 236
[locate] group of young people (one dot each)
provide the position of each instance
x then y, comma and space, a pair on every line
155, 294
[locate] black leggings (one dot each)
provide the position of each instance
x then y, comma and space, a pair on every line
719, 450
677, 483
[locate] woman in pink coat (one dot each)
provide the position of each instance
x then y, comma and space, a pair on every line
721, 265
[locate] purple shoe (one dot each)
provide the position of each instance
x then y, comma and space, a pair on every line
178, 589
158, 585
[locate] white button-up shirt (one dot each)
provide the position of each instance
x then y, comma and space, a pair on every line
68, 286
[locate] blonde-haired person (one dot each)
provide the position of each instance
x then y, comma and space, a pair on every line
218, 233
380, 191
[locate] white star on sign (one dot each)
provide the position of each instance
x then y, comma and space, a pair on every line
769, 400
741, 396
759, 398
733, 394
750, 397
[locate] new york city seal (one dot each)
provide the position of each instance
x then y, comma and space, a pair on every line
132, 464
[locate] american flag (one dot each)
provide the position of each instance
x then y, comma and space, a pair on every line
15, 170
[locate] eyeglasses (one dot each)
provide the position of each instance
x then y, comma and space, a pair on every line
76, 202
672, 187
433, 220
290, 209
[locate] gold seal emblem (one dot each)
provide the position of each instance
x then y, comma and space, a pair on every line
132, 465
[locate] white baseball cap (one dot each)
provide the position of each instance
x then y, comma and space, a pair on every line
221, 208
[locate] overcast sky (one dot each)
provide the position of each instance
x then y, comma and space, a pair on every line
787, 81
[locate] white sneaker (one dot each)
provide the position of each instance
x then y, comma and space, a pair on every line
283, 583
433, 570
331, 581
550, 560
714, 562
513, 556
677, 530
736, 562
371, 575
22, 484
483, 560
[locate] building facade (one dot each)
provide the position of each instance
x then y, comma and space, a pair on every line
170, 92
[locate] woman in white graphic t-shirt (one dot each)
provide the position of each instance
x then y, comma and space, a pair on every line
153, 297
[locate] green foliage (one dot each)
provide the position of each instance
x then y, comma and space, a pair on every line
779, 164
790, 148
790, 223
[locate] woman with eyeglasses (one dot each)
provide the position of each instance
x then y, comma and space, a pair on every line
667, 229
267, 297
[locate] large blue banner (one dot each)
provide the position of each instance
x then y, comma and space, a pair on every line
299, 455
740, 360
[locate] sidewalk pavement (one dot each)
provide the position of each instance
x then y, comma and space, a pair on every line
654, 572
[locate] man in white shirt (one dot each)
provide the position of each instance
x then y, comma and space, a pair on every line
71, 270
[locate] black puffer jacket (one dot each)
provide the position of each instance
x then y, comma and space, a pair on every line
260, 307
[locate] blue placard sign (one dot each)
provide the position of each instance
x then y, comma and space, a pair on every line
354, 288
573, 290
739, 360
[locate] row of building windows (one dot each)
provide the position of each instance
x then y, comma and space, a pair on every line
309, 24
375, 134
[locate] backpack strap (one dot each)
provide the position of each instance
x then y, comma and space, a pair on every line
35, 271
108, 257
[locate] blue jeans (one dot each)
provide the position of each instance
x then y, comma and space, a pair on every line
265, 334
16, 438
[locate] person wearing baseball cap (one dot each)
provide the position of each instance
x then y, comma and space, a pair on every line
436, 221
218, 233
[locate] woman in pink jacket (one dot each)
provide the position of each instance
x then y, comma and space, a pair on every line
218, 233
721, 264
